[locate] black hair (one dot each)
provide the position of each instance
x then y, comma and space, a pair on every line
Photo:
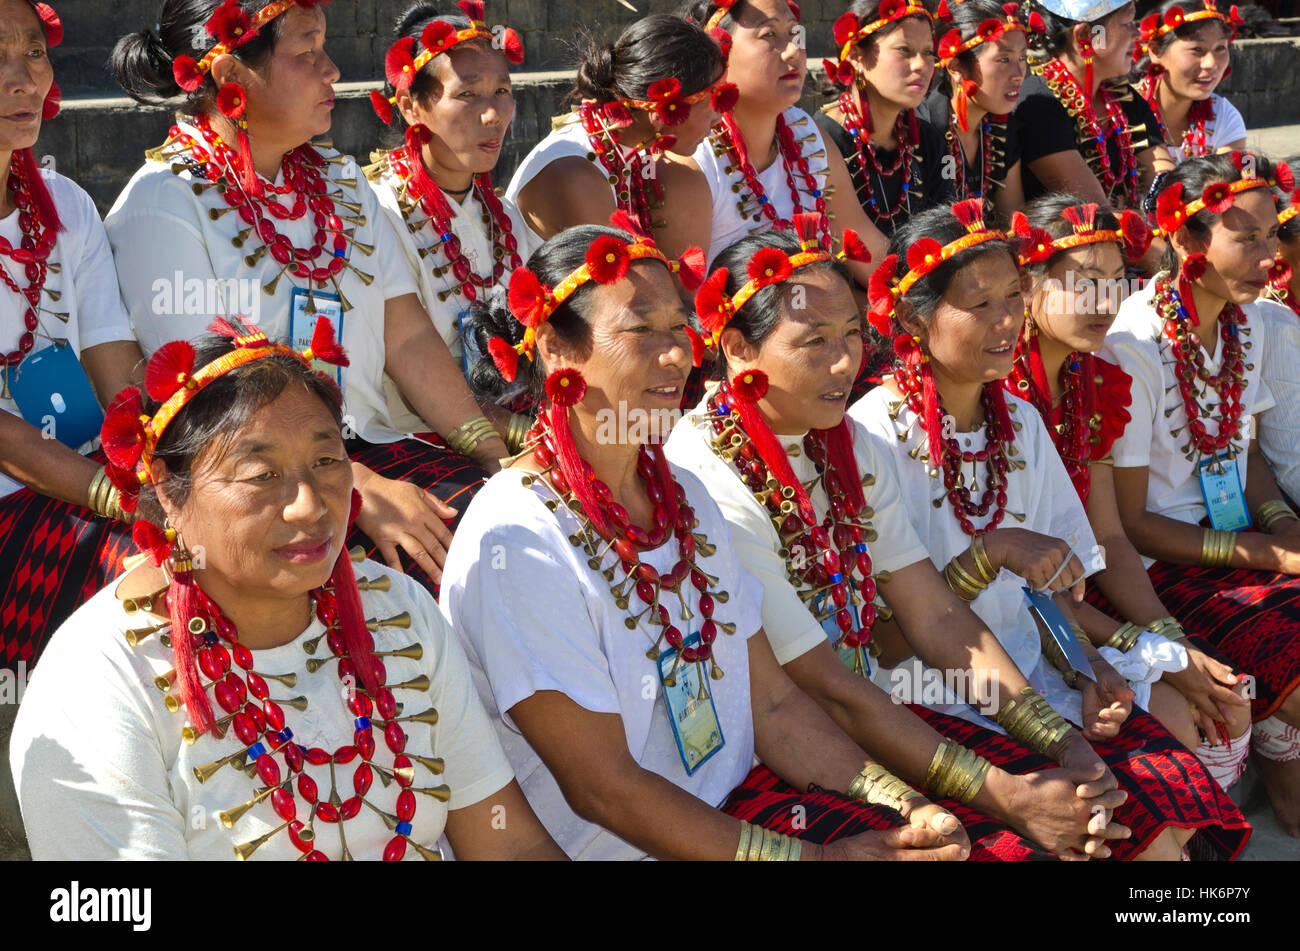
700, 11
1184, 31
551, 263
868, 11
943, 226
762, 312
1194, 175
209, 422
1045, 212
966, 19
656, 47
142, 62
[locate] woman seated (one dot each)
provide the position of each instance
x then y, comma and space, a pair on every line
237, 213
164, 722
1190, 480
644, 104
981, 70
968, 457
1085, 131
1279, 426
1077, 287
67, 349
614, 635
1187, 50
806, 510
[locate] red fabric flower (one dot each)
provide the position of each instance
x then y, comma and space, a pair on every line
1149, 25
724, 98
691, 268
723, 39
616, 115
671, 108
51, 23
844, 29
1193, 266
712, 303
924, 253
122, 432
607, 259
185, 70
852, 247
768, 266
879, 287
908, 350
231, 100
324, 347
1035, 246
127, 485
1137, 236
566, 387
168, 369
527, 297
436, 35
512, 46
943, 12
1173, 17
1283, 177
504, 357
794, 8
1218, 197
399, 64
892, 9
749, 385
383, 106
1235, 16
152, 540
1279, 275
950, 44
473, 9
418, 136
230, 24
1036, 22
989, 30
1170, 208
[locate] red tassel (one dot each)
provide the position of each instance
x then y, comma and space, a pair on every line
40, 193
961, 106
505, 357
382, 105
53, 102
572, 466
323, 345
127, 485
168, 369
806, 226
691, 268
151, 540
697, 346
513, 47
1002, 418
250, 181
352, 622
745, 401
840, 455
183, 598
853, 249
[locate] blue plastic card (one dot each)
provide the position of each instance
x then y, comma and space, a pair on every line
304, 323
1225, 502
53, 394
691, 712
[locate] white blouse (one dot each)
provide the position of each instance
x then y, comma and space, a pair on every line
1278, 330
1227, 127
729, 226
534, 616
102, 771
1040, 490
178, 269
1137, 344
80, 303
416, 235
790, 626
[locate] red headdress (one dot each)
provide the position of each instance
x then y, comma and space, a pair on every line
1155, 25
1133, 235
849, 31
670, 107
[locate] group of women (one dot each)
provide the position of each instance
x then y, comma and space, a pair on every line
919, 537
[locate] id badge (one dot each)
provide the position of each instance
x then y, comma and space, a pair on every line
856, 659
53, 394
1225, 502
304, 319
691, 712
1042, 605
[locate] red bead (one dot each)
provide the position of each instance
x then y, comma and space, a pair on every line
326, 813
405, 805
255, 714
293, 757
365, 743
385, 703
395, 737
244, 729
395, 849
359, 703
706, 605
283, 804
350, 807
316, 856
317, 756
618, 516
646, 573
227, 699
840, 594
362, 778
295, 828
307, 787
236, 683
345, 754
257, 686
402, 762
867, 615
209, 664
268, 769
646, 592
274, 715
637, 535
844, 620
689, 655
243, 656
624, 550
673, 637
708, 631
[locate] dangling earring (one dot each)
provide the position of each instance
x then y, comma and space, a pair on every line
965, 89
1086, 51
232, 102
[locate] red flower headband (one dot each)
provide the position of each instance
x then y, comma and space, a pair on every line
607, 261
885, 289
232, 27
1133, 235
1172, 212
53, 28
130, 437
768, 266
1293, 209
724, 7
402, 64
990, 31
850, 31
1156, 26
671, 107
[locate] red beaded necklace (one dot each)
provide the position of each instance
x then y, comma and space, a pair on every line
1179, 313
615, 528
999, 438
818, 550
1073, 424
908, 136
729, 138
268, 743
32, 254
630, 171
221, 165
1089, 134
409, 169
958, 153
1199, 114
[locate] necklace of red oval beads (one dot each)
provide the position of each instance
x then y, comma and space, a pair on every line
999, 437
1088, 131
1199, 114
1072, 425
906, 133
630, 171
827, 555
267, 742
32, 254
729, 139
409, 169
1178, 312
672, 515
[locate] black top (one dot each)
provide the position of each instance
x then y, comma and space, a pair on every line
926, 189
1045, 128
1005, 142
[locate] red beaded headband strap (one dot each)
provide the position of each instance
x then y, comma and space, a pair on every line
990, 31
768, 266
231, 26
1172, 212
666, 100
1133, 235
725, 7
1155, 26
402, 63
130, 437
607, 261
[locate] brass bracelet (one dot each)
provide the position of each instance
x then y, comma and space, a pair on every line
1125, 636
1031, 720
103, 497
517, 432
742, 849
877, 786
962, 583
956, 773
1168, 628
1052, 650
1217, 547
983, 566
466, 437
1273, 511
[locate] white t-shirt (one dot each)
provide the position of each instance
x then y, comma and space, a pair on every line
476, 244
1278, 356
1041, 491
1136, 343
534, 616
175, 264
102, 771
569, 139
790, 626
88, 309
1226, 127
729, 226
